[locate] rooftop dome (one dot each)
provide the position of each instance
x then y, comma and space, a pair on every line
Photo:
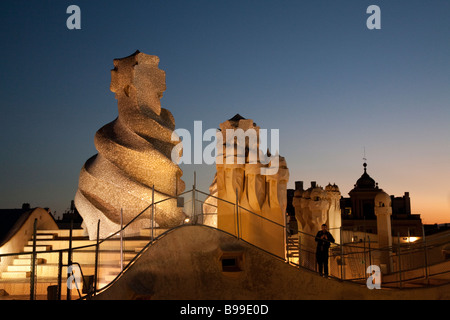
365, 181
382, 199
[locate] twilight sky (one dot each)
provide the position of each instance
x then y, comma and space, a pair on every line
311, 69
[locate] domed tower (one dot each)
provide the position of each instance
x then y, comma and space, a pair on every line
362, 196
365, 181
383, 212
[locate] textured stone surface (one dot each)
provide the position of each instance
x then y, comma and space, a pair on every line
334, 211
258, 195
186, 265
134, 154
313, 207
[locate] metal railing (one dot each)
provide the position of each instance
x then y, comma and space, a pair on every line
409, 264
348, 262
103, 257
90, 266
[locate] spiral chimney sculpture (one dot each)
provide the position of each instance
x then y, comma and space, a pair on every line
134, 154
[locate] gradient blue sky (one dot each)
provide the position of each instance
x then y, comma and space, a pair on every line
309, 68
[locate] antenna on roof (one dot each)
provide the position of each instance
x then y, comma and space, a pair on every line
365, 160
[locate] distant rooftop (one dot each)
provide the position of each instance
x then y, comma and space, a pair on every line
9, 218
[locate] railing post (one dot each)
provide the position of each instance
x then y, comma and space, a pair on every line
69, 260
364, 255
121, 239
193, 198
60, 264
342, 254
33, 264
299, 248
97, 247
286, 240
237, 213
399, 259
153, 213
426, 255
202, 216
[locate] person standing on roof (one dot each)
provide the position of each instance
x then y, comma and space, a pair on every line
324, 240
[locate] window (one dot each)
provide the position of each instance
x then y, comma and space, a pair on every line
348, 211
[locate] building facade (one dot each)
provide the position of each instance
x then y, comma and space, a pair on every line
358, 210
